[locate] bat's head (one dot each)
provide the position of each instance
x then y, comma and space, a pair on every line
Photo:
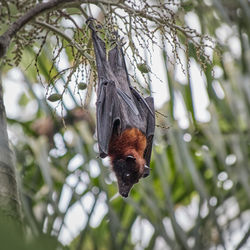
128, 172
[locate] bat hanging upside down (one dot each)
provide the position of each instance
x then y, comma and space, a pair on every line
126, 154
125, 119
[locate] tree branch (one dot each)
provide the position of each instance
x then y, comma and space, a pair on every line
34, 12
53, 4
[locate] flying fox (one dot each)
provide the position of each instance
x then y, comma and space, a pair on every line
125, 119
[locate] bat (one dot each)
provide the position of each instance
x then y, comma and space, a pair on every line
125, 119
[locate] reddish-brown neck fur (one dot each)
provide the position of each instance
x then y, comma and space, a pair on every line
130, 142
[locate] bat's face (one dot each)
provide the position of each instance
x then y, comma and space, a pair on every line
128, 172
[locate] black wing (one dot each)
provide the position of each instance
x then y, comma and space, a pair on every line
146, 109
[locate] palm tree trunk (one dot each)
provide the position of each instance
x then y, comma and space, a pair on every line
9, 200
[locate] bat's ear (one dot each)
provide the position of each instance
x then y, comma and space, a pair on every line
130, 158
146, 171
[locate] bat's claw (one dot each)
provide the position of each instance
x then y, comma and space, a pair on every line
89, 22
90, 19
93, 24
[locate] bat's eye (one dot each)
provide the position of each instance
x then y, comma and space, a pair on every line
126, 176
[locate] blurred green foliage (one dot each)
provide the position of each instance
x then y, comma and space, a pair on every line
197, 196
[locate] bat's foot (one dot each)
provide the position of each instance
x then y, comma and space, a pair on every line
89, 22
93, 24
90, 19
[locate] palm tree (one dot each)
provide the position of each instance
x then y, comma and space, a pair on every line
197, 196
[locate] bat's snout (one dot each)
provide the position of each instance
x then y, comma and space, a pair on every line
124, 189
124, 194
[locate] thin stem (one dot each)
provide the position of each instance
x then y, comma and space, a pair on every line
67, 38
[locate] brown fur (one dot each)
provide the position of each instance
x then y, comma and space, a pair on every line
131, 142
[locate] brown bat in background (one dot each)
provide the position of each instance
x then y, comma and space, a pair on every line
125, 119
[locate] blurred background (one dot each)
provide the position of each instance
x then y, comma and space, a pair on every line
198, 193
